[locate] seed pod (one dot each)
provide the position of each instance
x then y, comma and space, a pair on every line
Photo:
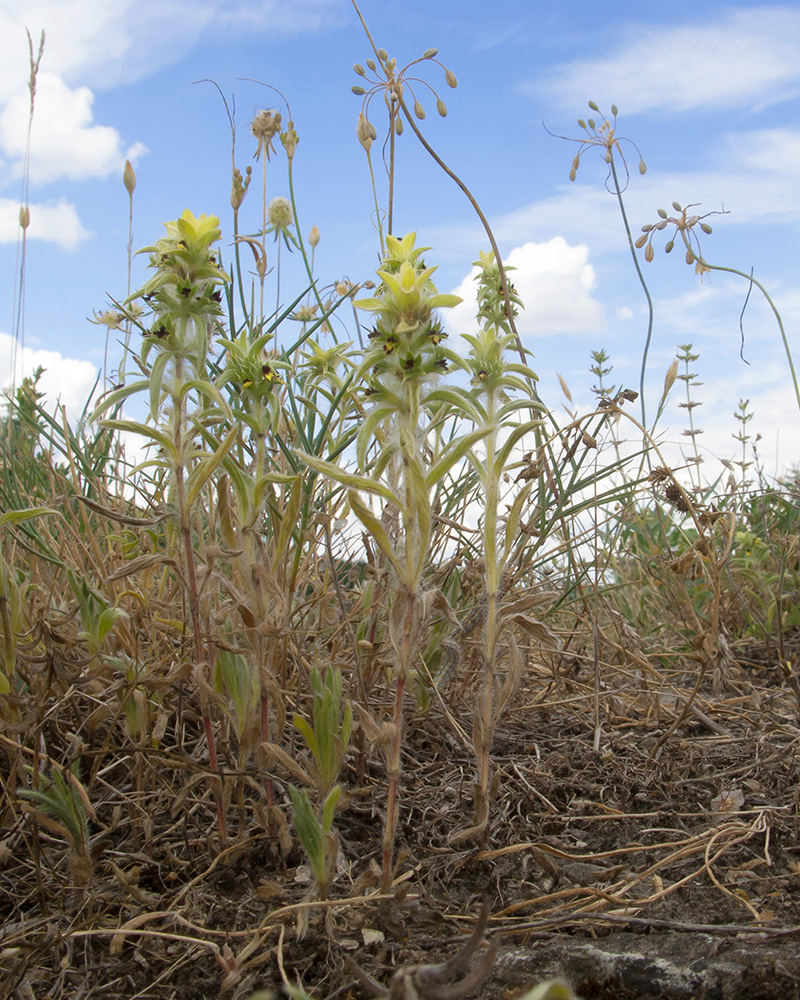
24, 216
383, 54
642, 167
573, 174
692, 220
592, 123
608, 157
676, 206
371, 64
648, 228
450, 77
581, 123
706, 228
669, 247
441, 107
359, 69
419, 111
430, 53
640, 242
576, 162
690, 257
358, 91
593, 106
614, 110
662, 213
398, 126
649, 253
313, 237
661, 225
588, 440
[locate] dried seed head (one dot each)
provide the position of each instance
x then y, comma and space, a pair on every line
673, 494
264, 127
129, 178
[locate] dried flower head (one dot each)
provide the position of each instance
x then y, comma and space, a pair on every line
264, 127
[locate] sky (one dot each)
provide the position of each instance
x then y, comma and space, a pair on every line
708, 95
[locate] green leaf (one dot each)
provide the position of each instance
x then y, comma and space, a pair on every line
520, 431
375, 527
363, 483
144, 430
309, 831
514, 514
18, 516
454, 453
289, 518
206, 468
329, 807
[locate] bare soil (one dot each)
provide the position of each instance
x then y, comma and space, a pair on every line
636, 848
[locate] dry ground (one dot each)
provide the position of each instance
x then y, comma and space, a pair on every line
634, 862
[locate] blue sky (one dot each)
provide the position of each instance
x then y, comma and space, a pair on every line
710, 96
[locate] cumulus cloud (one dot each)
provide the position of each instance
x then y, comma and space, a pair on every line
68, 381
65, 141
741, 58
555, 282
54, 222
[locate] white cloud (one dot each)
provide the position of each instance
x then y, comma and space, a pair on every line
68, 381
54, 223
104, 44
554, 281
744, 57
65, 142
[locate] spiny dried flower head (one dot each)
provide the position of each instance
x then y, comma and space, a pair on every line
384, 78
684, 224
604, 136
264, 127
